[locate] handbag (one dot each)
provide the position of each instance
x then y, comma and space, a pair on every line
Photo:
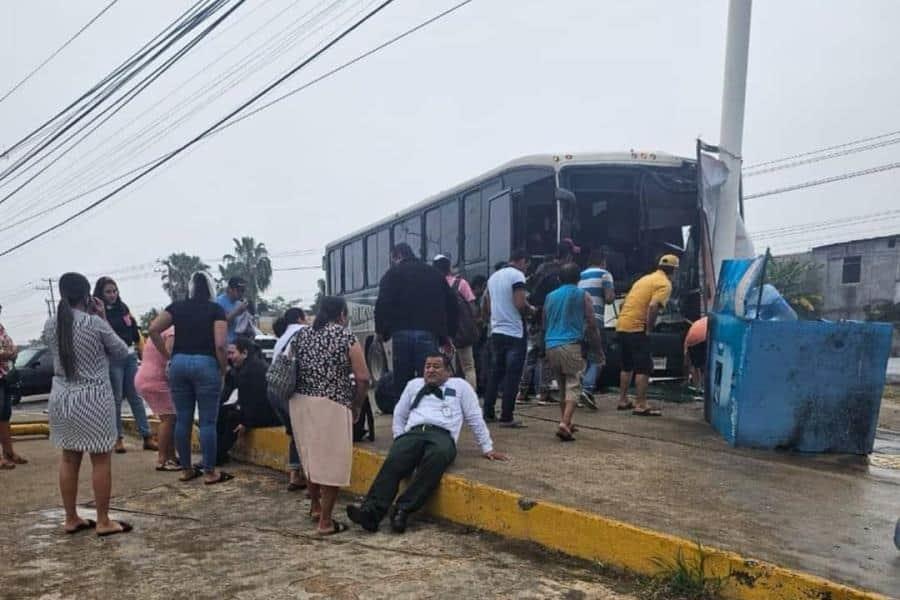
281, 378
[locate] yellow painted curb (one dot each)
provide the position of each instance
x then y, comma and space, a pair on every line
29, 429
571, 531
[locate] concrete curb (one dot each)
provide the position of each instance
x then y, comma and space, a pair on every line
574, 532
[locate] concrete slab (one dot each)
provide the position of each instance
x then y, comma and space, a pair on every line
251, 539
832, 516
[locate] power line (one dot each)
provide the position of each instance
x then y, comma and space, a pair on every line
217, 129
57, 51
815, 159
206, 132
824, 180
820, 150
829, 224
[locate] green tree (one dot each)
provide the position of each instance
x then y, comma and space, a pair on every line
145, 319
798, 280
176, 278
277, 305
251, 262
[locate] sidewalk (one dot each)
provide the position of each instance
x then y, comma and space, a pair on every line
831, 516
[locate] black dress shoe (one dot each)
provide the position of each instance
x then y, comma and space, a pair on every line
362, 517
399, 517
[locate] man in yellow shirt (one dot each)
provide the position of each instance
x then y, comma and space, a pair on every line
637, 318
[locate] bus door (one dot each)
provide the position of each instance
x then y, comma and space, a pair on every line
499, 228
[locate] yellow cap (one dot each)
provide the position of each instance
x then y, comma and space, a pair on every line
668, 260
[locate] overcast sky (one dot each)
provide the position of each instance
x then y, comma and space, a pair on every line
494, 81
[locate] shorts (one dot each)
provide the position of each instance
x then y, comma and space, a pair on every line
5, 403
697, 354
636, 352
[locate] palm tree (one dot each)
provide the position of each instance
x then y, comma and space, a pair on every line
176, 278
251, 262
797, 279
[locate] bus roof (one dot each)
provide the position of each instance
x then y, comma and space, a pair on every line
556, 161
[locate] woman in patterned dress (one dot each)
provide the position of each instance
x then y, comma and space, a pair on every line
325, 405
82, 407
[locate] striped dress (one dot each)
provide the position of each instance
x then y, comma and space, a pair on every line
82, 409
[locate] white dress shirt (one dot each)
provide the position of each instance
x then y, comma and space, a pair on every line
461, 404
286, 337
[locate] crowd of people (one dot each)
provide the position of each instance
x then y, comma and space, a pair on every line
503, 335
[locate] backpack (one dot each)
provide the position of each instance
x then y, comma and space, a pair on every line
467, 332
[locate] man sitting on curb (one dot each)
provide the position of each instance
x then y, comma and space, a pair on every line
427, 421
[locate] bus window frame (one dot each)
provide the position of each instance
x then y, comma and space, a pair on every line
439, 209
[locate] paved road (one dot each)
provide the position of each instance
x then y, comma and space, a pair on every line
249, 539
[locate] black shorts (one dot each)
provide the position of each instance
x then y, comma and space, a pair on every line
697, 354
636, 352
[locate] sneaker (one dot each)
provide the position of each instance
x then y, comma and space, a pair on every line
546, 400
588, 399
522, 398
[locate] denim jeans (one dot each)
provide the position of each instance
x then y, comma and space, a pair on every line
121, 376
195, 382
508, 360
410, 347
284, 415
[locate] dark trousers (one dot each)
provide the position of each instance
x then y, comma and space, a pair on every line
507, 362
428, 453
284, 415
229, 418
409, 348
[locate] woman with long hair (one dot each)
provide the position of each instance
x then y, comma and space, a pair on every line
82, 408
152, 384
326, 403
122, 372
197, 363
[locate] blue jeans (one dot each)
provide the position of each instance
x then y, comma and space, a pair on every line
508, 361
195, 382
121, 376
410, 347
589, 379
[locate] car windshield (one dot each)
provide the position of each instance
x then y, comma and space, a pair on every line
26, 354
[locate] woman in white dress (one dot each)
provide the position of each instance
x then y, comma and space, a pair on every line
82, 407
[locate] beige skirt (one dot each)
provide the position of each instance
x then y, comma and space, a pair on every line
323, 432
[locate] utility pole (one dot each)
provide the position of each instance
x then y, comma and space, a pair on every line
51, 301
732, 127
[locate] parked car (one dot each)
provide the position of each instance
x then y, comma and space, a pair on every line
31, 374
266, 345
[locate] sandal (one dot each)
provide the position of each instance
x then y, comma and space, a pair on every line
7, 466
564, 434
126, 527
628, 406
15, 459
293, 487
336, 527
120, 446
223, 477
189, 474
647, 412
169, 465
86, 524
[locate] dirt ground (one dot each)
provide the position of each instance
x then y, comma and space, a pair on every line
250, 539
889, 418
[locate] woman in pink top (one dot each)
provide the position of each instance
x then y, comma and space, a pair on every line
153, 386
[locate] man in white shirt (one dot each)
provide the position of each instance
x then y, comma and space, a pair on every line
505, 305
427, 421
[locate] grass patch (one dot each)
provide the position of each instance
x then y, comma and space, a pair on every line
684, 579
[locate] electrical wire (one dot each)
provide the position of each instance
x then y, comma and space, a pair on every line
781, 232
815, 159
823, 181
820, 150
57, 51
224, 126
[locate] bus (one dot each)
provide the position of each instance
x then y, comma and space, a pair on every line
634, 205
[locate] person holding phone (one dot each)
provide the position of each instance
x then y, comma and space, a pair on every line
233, 303
82, 408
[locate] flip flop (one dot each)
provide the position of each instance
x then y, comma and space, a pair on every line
315, 516
223, 477
7, 466
15, 458
647, 412
564, 435
126, 527
628, 406
169, 465
86, 524
337, 527
194, 474
293, 487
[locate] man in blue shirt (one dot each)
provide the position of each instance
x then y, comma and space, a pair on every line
568, 320
232, 301
598, 282
427, 421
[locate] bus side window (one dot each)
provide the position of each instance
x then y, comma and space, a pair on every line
410, 231
442, 231
354, 273
378, 256
335, 272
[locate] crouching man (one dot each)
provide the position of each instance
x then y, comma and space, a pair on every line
427, 422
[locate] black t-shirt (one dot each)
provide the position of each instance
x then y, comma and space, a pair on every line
193, 322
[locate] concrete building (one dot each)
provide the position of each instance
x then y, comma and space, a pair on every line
858, 275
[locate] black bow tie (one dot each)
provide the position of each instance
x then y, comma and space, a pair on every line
426, 390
